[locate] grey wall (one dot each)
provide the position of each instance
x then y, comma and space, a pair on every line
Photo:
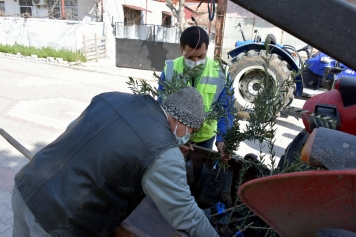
143, 54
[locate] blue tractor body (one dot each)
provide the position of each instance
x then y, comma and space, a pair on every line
324, 71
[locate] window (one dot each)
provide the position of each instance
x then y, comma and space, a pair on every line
2, 8
131, 16
25, 7
70, 9
166, 19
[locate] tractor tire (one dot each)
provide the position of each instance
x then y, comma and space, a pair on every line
245, 71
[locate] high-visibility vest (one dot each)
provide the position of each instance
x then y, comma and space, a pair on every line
210, 85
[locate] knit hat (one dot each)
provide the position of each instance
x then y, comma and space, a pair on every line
186, 105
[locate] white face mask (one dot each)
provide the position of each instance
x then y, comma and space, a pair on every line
181, 140
192, 64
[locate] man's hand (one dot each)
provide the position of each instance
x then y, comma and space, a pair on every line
221, 148
185, 149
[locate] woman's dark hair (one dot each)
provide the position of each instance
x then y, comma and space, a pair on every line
190, 37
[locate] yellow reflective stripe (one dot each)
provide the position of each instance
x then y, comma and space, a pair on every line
218, 84
169, 70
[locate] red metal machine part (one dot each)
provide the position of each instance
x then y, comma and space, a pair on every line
339, 103
301, 203
298, 204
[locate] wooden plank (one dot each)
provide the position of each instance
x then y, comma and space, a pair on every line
328, 25
93, 41
106, 44
101, 52
93, 49
93, 57
93, 52
96, 47
93, 37
85, 52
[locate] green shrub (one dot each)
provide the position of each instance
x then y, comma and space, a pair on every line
43, 52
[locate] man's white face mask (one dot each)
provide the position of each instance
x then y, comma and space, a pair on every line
192, 64
182, 140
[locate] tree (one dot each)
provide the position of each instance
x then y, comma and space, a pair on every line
179, 14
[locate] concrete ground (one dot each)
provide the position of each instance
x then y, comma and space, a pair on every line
38, 100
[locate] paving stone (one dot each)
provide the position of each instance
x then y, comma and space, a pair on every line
4, 228
5, 213
7, 201
9, 221
7, 233
3, 193
6, 179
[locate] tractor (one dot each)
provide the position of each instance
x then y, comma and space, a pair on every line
323, 71
247, 63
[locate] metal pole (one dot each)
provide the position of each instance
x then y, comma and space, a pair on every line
219, 27
16, 144
63, 13
96, 47
146, 13
102, 10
